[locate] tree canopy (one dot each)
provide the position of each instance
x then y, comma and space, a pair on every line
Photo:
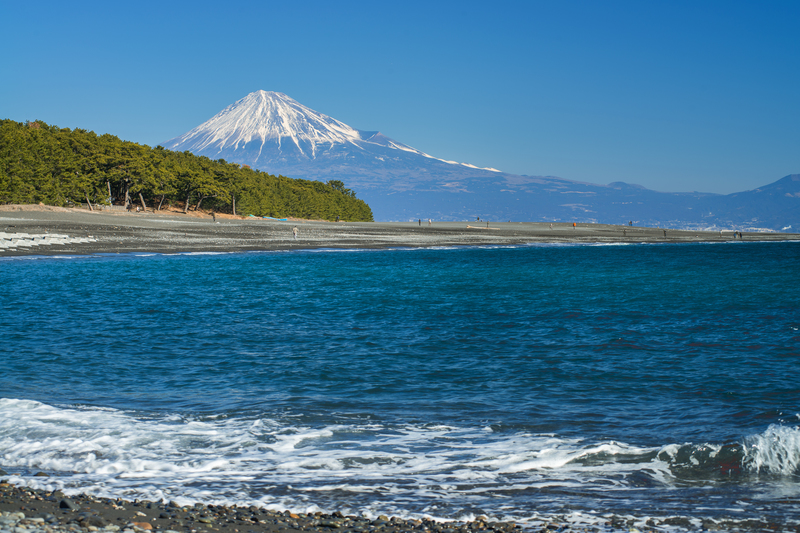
58, 166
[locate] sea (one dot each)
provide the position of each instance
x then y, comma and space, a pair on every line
583, 385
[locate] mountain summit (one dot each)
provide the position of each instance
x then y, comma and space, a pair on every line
267, 127
272, 132
260, 120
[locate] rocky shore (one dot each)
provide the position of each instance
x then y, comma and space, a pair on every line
44, 230
27, 510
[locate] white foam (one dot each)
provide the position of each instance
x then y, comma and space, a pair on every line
280, 464
116, 452
776, 450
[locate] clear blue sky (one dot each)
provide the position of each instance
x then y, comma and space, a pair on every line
673, 95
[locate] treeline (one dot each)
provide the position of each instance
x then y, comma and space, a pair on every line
59, 166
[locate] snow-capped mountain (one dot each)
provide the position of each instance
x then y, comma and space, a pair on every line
262, 117
274, 133
267, 127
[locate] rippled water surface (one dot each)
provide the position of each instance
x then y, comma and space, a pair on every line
514, 382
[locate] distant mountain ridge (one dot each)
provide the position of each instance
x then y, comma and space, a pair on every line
272, 132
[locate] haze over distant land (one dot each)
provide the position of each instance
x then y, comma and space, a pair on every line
272, 132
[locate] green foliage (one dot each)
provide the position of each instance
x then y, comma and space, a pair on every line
59, 166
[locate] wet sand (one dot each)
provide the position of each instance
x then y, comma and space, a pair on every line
122, 232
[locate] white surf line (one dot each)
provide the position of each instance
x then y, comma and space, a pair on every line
11, 241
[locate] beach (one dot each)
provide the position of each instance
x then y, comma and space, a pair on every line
26, 510
90, 232
29, 510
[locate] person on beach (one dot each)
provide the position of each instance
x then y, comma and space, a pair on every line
630, 222
551, 226
574, 225
429, 222
294, 232
213, 215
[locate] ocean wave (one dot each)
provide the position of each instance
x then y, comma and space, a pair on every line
775, 451
405, 469
105, 440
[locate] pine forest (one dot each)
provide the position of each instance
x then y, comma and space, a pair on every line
42, 163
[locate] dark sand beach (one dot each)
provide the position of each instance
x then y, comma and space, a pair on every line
24, 231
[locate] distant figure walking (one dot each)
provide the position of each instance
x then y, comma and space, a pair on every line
551, 226
337, 218
213, 216
665, 233
574, 225
624, 233
420, 222
429, 222
294, 232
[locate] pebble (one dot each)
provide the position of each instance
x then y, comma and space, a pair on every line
84, 514
66, 503
19, 523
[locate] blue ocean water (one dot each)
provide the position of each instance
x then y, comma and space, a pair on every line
521, 383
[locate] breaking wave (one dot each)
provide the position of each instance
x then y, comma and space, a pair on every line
429, 469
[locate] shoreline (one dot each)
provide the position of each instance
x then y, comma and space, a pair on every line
46, 230
54, 511
32, 510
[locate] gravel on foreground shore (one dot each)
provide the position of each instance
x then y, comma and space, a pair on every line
27, 510
24, 230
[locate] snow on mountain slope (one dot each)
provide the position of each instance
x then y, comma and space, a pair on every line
266, 127
266, 116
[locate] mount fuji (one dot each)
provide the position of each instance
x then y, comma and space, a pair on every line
272, 132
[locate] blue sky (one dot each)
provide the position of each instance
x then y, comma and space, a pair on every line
672, 95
